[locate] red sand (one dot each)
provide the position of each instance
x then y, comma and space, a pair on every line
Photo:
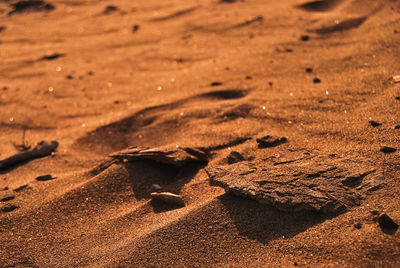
116, 85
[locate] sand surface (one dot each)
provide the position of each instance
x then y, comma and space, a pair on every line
100, 76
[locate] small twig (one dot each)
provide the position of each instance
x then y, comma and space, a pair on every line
42, 149
23, 146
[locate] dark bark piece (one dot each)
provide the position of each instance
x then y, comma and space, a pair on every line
6, 196
45, 178
52, 56
316, 80
8, 208
304, 38
168, 198
385, 222
172, 156
42, 149
215, 84
20, 188
388, 150
30, 5
315, 184
110, 9
235, 157
374, 123
270, 141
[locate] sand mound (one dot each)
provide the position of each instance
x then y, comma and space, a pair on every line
175, 123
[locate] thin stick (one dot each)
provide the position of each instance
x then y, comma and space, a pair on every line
23, 146
42, 149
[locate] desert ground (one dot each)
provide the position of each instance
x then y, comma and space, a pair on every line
275, 124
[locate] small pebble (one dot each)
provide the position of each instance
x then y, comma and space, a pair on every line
309, 70
156, 187
304, 38
215, 84
316, 80
375, 212
358, 225
135, 28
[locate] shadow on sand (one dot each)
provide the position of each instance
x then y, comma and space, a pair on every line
263, 223
143, 174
